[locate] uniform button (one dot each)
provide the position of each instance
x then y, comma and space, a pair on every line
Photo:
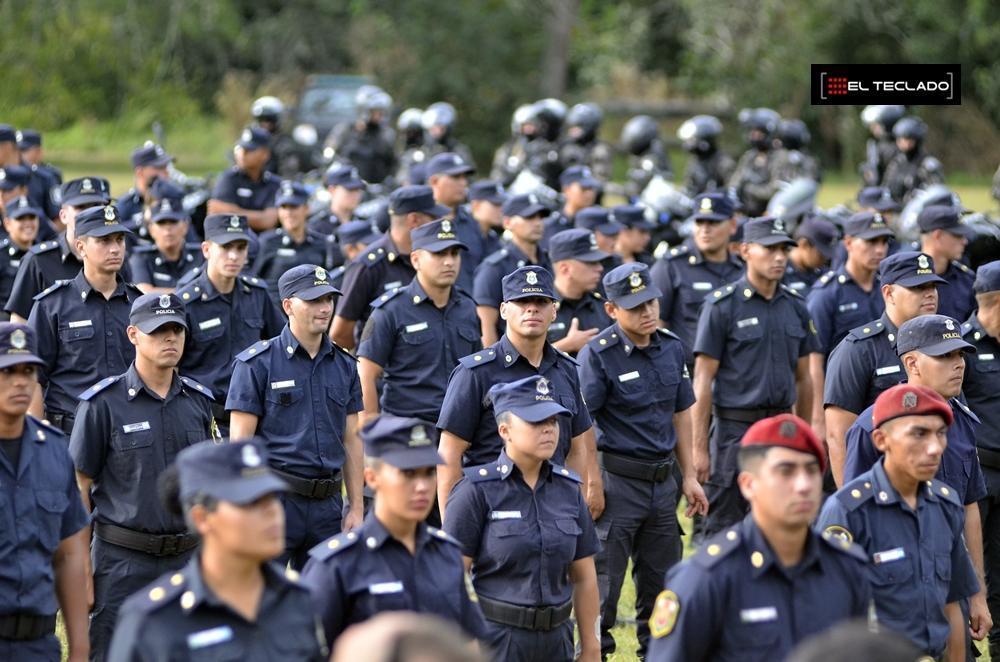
371, 542
713, 550
856, 494
352, 536
883, 496
731, 535
131, 392
187, 600
603, 341
868, 486
333, 544
892, 337
508, 358
109, 334
290, 350
483, 472
504, 468
757, 559
176, 579
157, 594
416, 299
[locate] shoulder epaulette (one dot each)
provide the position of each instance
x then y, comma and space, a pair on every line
254, 350
335, 545
160, 593
945, 492
477, 474
678, 251
99, 386
254, 281
52, 288
566, 356
441, 534
338, 272
963, 268
855, 493
372, 257
719, 294
718, 547
343, 351
565, 472
868, 330
605, 340
845, 546
49, 428
496, 257
824, 280
791, 291
668, 333
198, 387
967, 328
478, 359
44, 247
596, 295
380, 301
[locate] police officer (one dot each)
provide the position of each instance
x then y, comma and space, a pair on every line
128, 429
647, 154
386, 264
292, 243
346, 188
226, 312
751, 362
301, 393
576, 265
688, 273
635, 236
393, 561
944, 237
909, 523
54, 260
229, 599
353, 239
638, 391
598, 220
521, 507
709, 168
21, 223
486, 198
541, 152
13, 183
438, 120
865, 363
467, 421
753, 179
791, 161
581, 145
523, 218
417, 333
367, 143
149, 164
880, 147
248, 189
849, 296
911, 168
510, 157
579, 190
80, 323
159, 266
410, 144
44, 534
29, 143
767, 583
448, 176
816, 239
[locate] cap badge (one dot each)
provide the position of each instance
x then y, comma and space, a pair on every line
165, 301
418, 436
247, 136
533, 199
320, 273
446, 226
234, 221
878, 220
585, 173
531, 278
109, 213
18, 339
3, 174
779, 225
923, 263
635, 280
250, 456
22, 203
86, 186
787, 430
593, 240
948, 324
166, 206
355, 174
158, 150
542, 386
909, 400
18, 136
706, 204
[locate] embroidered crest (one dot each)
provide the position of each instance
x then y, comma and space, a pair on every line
531, 278
18, 339
234, 221
948, 324
418, 436
787, 430
923, 263
542, 386
250, 456
109, 213
909, 400
164, 301
665, 612
446, 226
706, 204
635, 280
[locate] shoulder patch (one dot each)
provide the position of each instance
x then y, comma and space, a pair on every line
945, 492
497, 257
333, 546
254, 350
855, 493
52, 288
478, 359
870, 329
717, 547
253, 281
668, 333
388, 296
160, 593
843, 542
198, 387
479, 473
666, 609
441, 534
719, 294
99, 386
961, 267
559, 470
44, 247
788, 290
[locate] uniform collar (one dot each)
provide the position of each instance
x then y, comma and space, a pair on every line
978, 332
745, 290
518, 255
84, 288
392, 252
196, 592
208, 291
288, 341
508, 355
415, 292
891, 332
695, 256
135, 385
507, 468
64, 250
628, 347
762, 557
885, 494
374, 534
33, 432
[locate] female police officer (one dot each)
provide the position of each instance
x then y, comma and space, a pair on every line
527, 534
229, 602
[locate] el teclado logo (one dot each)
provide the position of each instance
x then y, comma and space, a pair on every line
905, 84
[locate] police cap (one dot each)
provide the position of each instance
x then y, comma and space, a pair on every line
405, 443
629, 285
22, 206
291, 193
235, 472
86, 191
530, 399
13, 176
305, 281
575, 244
578, 174
356, 231
419, 199
631, 216
150, 155
448, 163
766, 231
99, 222
713, 207
224, 229
488, 190
346, 176
528, 282
436, 236
525, 205
597, 219
934, 335
941, 217
909, 269
151, 311
17, 345
987, 277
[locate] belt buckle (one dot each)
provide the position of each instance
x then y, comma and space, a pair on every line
171, 545
543, 618
20, 626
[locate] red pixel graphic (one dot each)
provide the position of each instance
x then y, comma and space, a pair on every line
836, 85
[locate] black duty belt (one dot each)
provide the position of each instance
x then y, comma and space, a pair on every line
23, 626
747, 415
169, 544
528, 618
62, 421
654, 472
988, 458
312, 488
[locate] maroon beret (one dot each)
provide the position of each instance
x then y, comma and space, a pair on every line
910, 400
787, 431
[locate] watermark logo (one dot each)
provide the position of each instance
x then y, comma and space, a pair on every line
905, 84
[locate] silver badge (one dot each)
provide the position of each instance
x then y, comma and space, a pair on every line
446, 226
909, 400
635, 280
164, 301
320, 273
250, 456
779, 225
22, 203
3, 174
418, 436
878, 220
706, 204
109, 213
166, 206
593, 240
533, 199
18, 339
948, 324
531, 278
86, 186
542, 386
247, 136
923, 263
234, 221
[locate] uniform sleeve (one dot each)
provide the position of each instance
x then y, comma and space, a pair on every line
465, 516
378, 338
861, 452
26, 286
846, 383
246, 392
710, 338
976, 485
274, 320
685, 391
46, 339
75, 517
487, 286
329, 596
462, 405
963, 576
581, 419
356, 291
140, 269
355, 403
472, 620
592, 383
660, 275
587, 544
833, 514
690, 609
225, 188
88, 443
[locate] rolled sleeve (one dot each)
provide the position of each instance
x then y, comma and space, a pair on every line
378, 339
465, 517
462, 398
245, 392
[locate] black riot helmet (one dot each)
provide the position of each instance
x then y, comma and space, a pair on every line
793, 134
910, 127
549, 115
886, 116
638, 134
410, 126
583, 121
698, 135
760, 125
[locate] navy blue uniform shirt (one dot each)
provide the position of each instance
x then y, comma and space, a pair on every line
758, 344
522, 541
799, 280
862, 366
149, 265
235, 187
357, 575
279, 253
982, 383
919, 561
469, 233
838, 304
488, 287
81, 338
220, 326
125, 435
417, 345
43, 265
40, 507
633, 392
588, 309
467, 413
955, 297
377, 270
10, 261
302, 403
734, 600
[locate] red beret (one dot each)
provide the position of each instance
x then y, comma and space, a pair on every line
787, 431
910, 400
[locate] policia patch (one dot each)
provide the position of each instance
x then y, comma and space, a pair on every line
836, 531
665, 612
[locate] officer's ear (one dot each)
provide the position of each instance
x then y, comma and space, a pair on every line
503, 309
286, 306
880, 439
205, 248
612, 310
133, 334
911, 364
744, 251
745, 481
78, 244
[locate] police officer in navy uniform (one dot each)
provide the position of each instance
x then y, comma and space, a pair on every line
865, 363
849, 296
128, 429
158, 267
353, 238
346, 188
579, 189
226, 312
690, 272
393, 561
633, 240
248, 189
909, 523
21, 224
149, 164
816, 239
526, 533
44, 535
598, 220
754, 591
751, 362
55, 260
80, 323
576, 265
638, 390
229, 601
486, 198
448, 176
417, 333
944, 237
523, 218
292, 243
468, 427
43, 187
386, 264
301, 393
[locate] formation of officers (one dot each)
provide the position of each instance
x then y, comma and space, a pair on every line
239, 440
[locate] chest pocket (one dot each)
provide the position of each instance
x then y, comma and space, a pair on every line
417, 337
559, 538
68, 334
250, 330
795, 335
378, 594
890, 574
469, 340
50, 508
756, 637
131, 452
509, 541
211, 333
229, 651
283, 397
886, 380
749, 334
986, 366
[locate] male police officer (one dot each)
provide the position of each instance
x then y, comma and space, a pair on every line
911, 168
816, 240
302, 395
635, 236
756, 590
247, 189
149, 163
386, 264
417, 333
579, 189
448, 176
346, 188
157, 267
688, 273
751, 362
80, 323
226, 312
486, 198
637, 388
44, 534
21, 224
128, 430
944, 237
865, 363
467, 422
909, 523
576, 263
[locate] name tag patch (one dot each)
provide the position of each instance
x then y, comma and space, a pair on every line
758, 615
80, 323
629, 376
985, 357
205, 638
244, 192
797, 285
210, 324
135, 427
158, 276
701, 286
505, 514
413, 328
889, 555
887, 370
384, 588
750, 321
286, 252
393, 285
288, 383
844, 307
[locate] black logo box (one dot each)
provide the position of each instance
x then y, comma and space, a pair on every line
905, 84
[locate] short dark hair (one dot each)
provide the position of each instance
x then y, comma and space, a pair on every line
751, 455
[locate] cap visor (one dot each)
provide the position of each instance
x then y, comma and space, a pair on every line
353, 185
609, 229
290, 200
105, 230
242, 491
413, 458
888, 205
8, 186
772, 240
314, 292
88, 199
228, 238
170, 216
962, 230
458, 170
148, 326
438, 246
26, 211
916, 281
540, 411
630, 301
589, 183
643, 225
7, 360
162, 162
873, 234
711, 216
946, 346
592, 256
531, 210
437, 211
250, 145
